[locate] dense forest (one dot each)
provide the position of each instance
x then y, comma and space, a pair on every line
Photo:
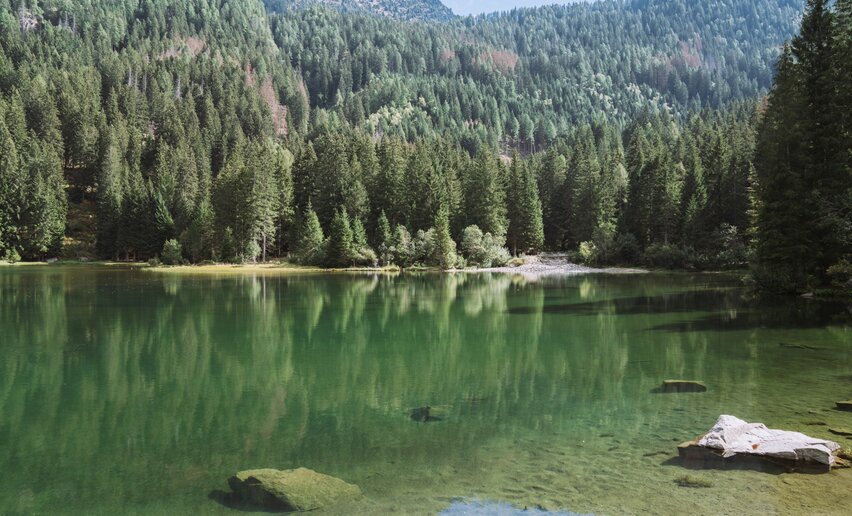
525, 77
804, 158
407, 10
623, 132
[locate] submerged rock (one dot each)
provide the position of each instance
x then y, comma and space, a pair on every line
683, 386
732, 437
690, 481
845, 405
423, 415
299, 489
801, 346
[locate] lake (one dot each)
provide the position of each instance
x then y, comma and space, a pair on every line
131, 391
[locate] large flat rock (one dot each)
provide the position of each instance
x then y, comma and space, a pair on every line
732, 437
299, 489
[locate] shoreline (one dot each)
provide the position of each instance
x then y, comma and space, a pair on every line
533, 268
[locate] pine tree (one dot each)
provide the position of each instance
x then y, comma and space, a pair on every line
610, 194
304, 177
666, 186
341, 249
198, 239
585, 174
425, 190
824, 174
333, 173
383, 233
693, 199
11, 195
386, 186
383, 240
359, 236
484, 196
554, 201
641, 166
444, 248
784, 247
264, 197
285, 218
311, 238
526, 230
840, 208
110, 197
45, 205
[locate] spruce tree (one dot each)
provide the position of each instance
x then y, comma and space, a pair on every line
484, 196
110, 196
340, 251
641, 167
585, 176
359, 236
526, 231
45, 205
693, 197
383, 231
11, 195
304, 177
444, 248
310, 246
554, 203
386, 187
425, 190
784, 244
823, 174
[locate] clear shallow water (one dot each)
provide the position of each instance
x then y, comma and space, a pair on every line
131, 391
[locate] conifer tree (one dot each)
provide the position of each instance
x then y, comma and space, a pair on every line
693, 197
359, 236
526, 231
386, 185
383, 232
784, 246
304, 180
585, 176
444, 248
641, 165
311, 238
341, 245
11, 198
484, 196
425, 191
553, 201
110, 198
45, 205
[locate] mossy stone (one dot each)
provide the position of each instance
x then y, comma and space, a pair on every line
299, 489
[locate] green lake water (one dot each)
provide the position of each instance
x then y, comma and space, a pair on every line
126, 391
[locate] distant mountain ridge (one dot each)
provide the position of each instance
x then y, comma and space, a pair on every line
406, 10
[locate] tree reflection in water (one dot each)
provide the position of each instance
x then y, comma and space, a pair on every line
121, 387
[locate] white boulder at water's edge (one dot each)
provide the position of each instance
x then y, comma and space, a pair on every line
733, 436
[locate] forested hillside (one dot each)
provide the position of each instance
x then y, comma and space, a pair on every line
526, 76
406, 10
210, 130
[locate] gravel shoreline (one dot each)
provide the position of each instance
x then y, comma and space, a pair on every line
535, 266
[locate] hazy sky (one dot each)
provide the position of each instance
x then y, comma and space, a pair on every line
465, 7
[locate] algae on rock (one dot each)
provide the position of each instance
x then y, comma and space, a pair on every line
299, 489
